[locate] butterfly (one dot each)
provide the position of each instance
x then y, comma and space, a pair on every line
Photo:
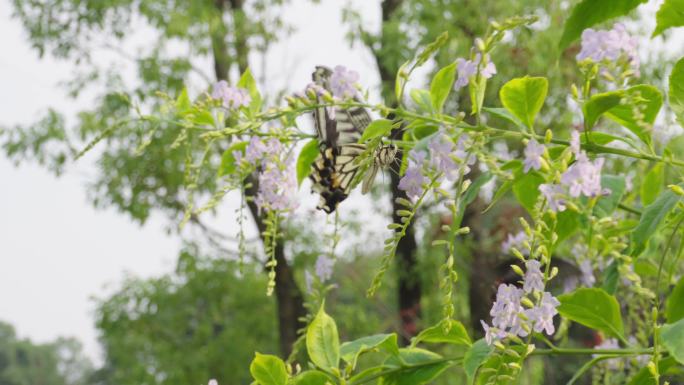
339, 161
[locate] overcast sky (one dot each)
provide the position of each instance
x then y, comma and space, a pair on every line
56, 250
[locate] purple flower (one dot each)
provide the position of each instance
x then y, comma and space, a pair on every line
255, 150
609, 45
237, 155
468, 68
232, 97
533, 155
343, 82
441, 148
575, 142
554, 195
517, 241
491, 333
534, 279
324, 268
587, 272
462, 152
541, 316
583, 177
213, 382
413, 180
506, 308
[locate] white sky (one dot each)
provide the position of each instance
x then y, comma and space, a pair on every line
56, 250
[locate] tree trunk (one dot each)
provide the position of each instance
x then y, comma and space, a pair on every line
290, 303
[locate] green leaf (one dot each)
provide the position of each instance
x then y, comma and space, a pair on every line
601, 138
672, 337
376, 129
311, 377
457, 335
674, 308
228, 166
474, 357
591, 12
247, 82
567, 222
593, 308
651, 217
422, 374
597, 105
676, 91
607, 204
183, 102
526, 189
474, 188
646, 100
644, 376
670, 14
504, 114
610, 278
423, 100
350, 351
441, 86
524, 97
322, 341
652, 184
306, 158
268, 370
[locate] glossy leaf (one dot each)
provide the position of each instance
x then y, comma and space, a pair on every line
645, 99
524, 97
606, 205
651, 218
305, 159
676, 91
591, 12
457, 335
652, 184
594, 308
670, 14
599, 104
376, 129
247, 82
268, 370
322, 341
644, 376
441, 86
672, 337
350, 351
474, 357
312, 377
526, 189
503, 113
674, 310
430, 367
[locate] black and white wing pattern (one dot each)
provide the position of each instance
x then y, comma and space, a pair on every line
339, 130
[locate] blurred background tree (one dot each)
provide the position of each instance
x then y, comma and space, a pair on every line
23, 362
160, 318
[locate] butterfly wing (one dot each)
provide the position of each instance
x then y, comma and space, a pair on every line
339, 130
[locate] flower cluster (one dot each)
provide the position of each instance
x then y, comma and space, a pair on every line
343, 82
609, 45
468, 68
447, 160
277, 182
231, 97
583, 177
510, 317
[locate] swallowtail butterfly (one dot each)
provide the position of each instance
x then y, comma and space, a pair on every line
339, 129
